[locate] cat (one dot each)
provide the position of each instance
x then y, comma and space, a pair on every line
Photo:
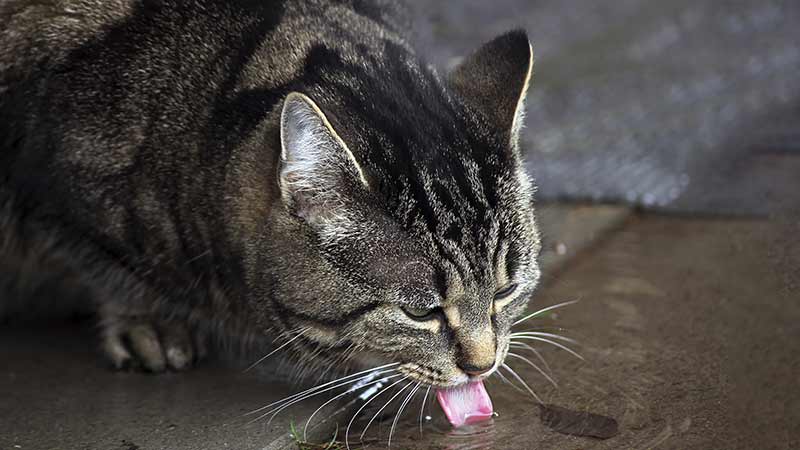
281, 170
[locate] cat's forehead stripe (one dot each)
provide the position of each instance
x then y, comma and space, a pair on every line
455, 210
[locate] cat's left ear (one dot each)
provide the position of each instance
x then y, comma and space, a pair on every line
494, 81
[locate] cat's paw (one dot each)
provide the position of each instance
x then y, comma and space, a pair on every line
152, 346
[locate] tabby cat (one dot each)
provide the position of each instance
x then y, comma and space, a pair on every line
266, 169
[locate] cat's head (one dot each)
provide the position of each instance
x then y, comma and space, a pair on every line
417, 247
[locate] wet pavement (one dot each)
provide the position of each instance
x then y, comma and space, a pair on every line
55, 393
690, 330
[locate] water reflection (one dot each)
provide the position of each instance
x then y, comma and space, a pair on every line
436, 429
481, 435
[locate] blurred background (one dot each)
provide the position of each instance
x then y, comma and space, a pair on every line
681, 105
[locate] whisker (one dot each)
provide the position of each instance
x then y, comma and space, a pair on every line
367, 377
550, 335
507, 381
350, 424
544, 310
546, 328
544, 374
400, 411
300, 333
535, 352
336, 362
384, 407
556, 344
349, 352
349, 391
299, 394
514, 374
422, 408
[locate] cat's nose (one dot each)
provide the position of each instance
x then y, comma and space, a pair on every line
476, 350
474, 371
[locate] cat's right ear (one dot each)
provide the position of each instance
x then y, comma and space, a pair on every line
318, 174
494, 82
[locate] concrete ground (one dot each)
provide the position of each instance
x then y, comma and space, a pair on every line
690, 329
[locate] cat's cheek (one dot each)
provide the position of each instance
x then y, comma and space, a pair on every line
322, 335
433, 326
502, 350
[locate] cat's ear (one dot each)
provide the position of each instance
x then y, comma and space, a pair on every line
494, 81
318, 173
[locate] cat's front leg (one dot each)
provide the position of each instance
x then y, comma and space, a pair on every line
145, 342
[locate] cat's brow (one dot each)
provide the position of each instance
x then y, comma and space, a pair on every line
501, 265
454, 285
453, 316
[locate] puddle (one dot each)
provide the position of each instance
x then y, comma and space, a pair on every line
424, 426
490, 433
517, 423
478, 436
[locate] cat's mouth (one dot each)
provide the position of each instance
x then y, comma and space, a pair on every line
464, 400
466, 403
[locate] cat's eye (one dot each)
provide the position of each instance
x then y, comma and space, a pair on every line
418, 313
505, 292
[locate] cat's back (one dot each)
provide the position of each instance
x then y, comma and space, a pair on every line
40, 35
93, 55
33, 31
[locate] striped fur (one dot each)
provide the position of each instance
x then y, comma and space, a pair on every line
145, 138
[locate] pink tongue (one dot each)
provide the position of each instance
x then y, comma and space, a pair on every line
467, 403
